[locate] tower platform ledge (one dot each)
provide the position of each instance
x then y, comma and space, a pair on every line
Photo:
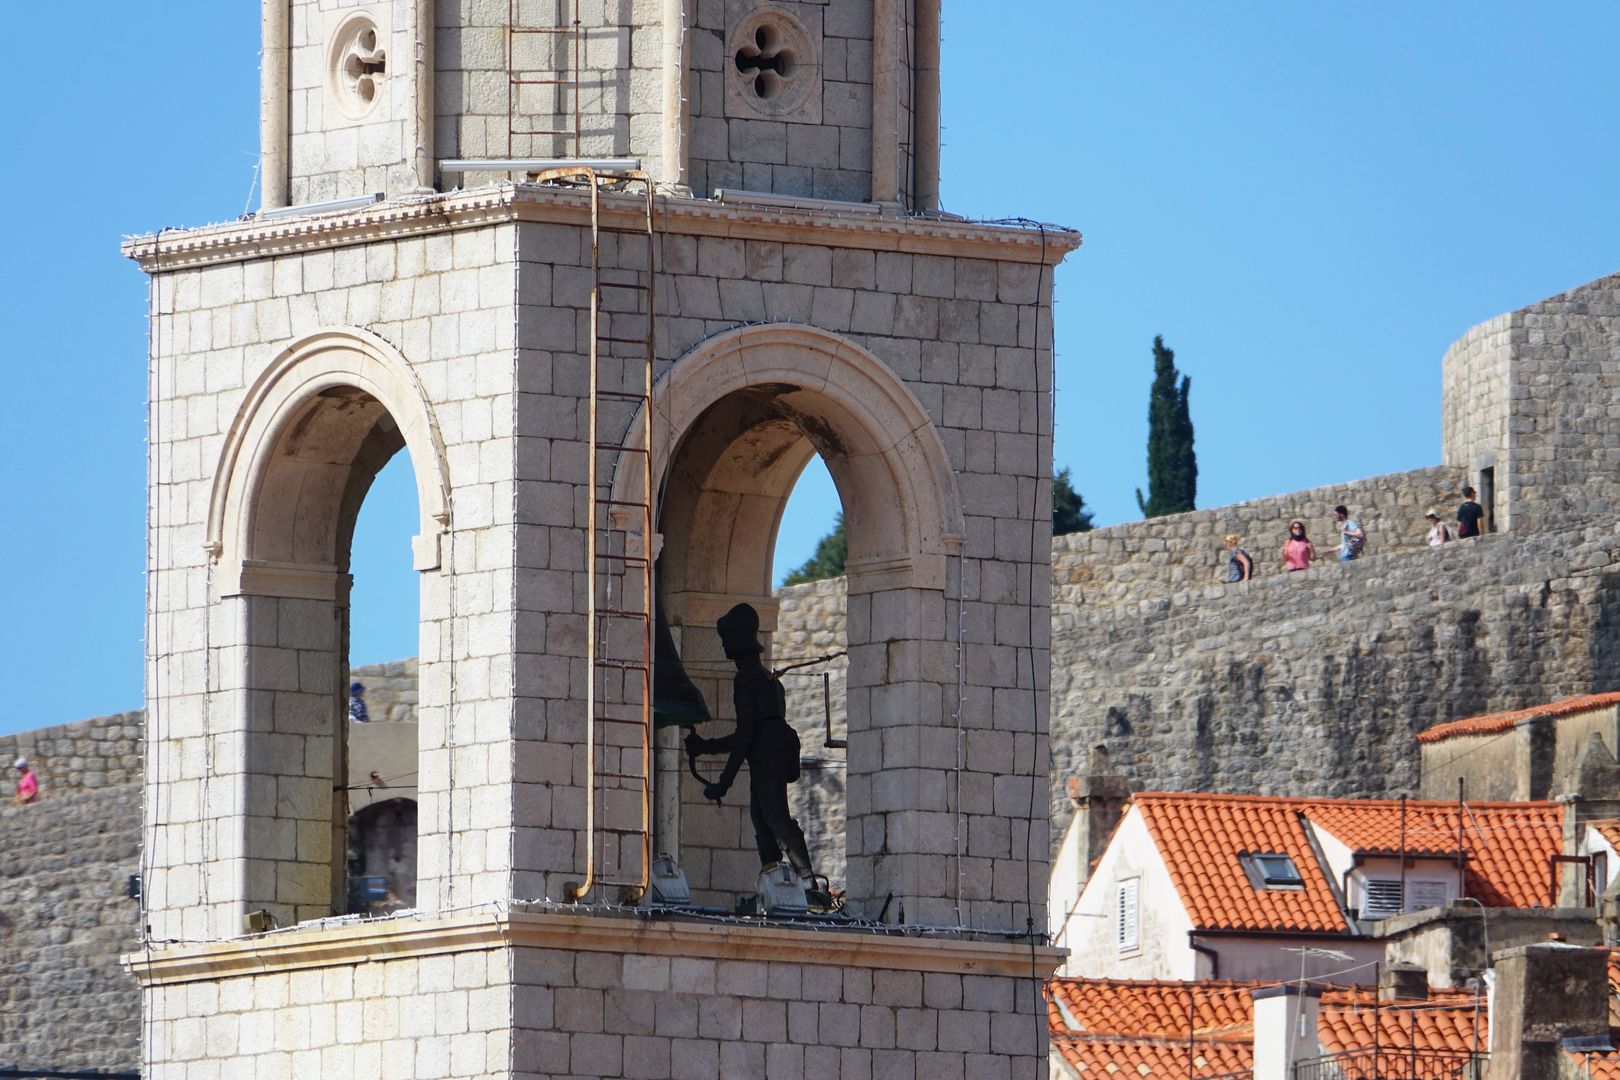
631, 932
252, 237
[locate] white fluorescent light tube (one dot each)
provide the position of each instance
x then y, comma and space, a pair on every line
534, 165
324, 207
795, 202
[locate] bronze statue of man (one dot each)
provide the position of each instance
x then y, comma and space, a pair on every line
764, 739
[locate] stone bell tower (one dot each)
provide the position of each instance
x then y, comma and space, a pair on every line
610, 273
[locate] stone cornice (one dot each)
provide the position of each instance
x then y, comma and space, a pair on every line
423, 216
401, 938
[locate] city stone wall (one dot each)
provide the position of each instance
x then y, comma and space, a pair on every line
810, 623
1153, 559
390, 689
65, 1003
1315, 683
101, 752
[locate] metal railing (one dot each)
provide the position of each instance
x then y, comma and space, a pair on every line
1393, 1064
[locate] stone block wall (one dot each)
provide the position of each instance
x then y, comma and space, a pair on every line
65, 1002
1531, 395
819, 144
567, 998
1157, 558
446, 301
391, 689
1315, 683
102, 752
810, 622
341, 143
1564, 431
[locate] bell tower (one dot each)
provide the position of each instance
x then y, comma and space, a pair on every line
609, 272
835, 100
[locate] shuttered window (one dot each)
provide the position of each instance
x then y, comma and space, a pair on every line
1381, 898
1127, 915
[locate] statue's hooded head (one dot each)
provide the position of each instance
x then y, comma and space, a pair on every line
739, 631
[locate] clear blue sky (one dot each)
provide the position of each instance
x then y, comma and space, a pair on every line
1309, 201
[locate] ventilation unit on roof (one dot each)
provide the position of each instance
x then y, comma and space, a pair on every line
1380, 898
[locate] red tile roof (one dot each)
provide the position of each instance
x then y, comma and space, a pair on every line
1450, 1020
1130, 1058
1491, 723
1200, 838
1508, 847
1122, 1027
1157, 1008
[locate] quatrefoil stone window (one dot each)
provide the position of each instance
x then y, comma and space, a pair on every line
357, 65
774, 68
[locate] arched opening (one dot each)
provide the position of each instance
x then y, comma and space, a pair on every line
382, 855
313, 434
746, 412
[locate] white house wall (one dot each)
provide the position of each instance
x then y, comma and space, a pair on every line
1162, 922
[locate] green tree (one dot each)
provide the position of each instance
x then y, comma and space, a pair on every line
1069, 513
1172, 462
828, 560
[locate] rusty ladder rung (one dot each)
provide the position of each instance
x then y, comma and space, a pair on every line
621, 613
621, 395
622, 340
621, 448
623, 665
630, 560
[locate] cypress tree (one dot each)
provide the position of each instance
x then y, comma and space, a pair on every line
1069, 513
1172, 462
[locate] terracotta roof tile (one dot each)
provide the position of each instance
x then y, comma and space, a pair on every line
1201, 838
1139, 1008
1508, 845
1126, 1027
1491, 723
1129, 1058
1454, 1021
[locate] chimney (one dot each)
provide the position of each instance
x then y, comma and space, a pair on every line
1285, 1034
1403, 982
1099, 802
1545, 994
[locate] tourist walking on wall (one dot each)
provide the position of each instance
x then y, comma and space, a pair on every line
1239, 567
357, 704
1352, 537
1469, 516
27, 783
1439, 531
1297, 551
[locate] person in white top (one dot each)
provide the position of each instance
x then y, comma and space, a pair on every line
1439, 531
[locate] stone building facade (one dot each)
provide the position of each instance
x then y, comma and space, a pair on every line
498, 334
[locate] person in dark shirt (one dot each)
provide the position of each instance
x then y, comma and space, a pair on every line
764, 739
1469, 516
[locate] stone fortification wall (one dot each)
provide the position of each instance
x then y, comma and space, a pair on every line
1147, 560
810, 622
1530, 395
1562, 432
390, 689
87, 754
1315, 683
64, 919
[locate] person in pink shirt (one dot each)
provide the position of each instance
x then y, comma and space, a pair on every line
1297, 552
27, 783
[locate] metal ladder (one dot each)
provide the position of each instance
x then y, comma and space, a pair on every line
515, 80
619, 642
